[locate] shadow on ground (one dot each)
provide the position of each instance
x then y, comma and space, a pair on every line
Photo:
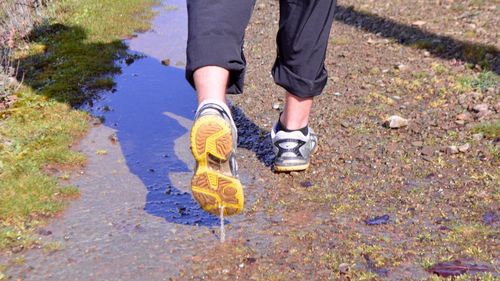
438, 45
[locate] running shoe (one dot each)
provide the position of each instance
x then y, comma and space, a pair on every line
293, 150
215, 183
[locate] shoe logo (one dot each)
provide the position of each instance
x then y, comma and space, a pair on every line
289, 145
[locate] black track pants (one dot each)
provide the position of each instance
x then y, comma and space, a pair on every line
215, 37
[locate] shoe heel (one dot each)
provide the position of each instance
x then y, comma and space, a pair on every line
211, 135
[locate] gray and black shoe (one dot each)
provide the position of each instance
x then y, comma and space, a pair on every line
293, 149
215, 182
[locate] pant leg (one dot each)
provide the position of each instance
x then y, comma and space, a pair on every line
215, 37
302, 41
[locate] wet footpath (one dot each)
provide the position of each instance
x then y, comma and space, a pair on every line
382, 201
136, 219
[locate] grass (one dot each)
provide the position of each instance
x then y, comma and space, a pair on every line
489, 130
82, 46
66, 63
482, 81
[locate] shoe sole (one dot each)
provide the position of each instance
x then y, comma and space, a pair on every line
291, 168
212, 187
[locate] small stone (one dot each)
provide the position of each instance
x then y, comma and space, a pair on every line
337, 94
129, 60
17, 249
417, 143
165, 62
484, 113
345, 124
306, 184
460, 122
294, 174
419, 23
459, 267
402, 67
464, 147
452, 149
395, 122
478, 136
113, 138
378, 220
480, 107
466, 116
396, 97
44, 232
462, 100
427, 151
276, 105
427, 53
343, 268
250, 260
497, 107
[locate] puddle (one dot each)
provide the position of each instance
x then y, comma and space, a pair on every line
151, 109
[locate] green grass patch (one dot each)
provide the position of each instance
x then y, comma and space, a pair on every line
80, 44
482, 81
66, 63
36, 132
489, 130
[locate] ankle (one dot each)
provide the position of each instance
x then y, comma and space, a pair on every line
281, 127
292, 125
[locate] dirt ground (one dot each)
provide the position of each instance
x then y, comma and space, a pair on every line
406, 58
378, 203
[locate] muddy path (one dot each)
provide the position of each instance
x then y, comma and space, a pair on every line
378, 204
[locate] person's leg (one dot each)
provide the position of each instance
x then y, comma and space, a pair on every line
211, 83
299, 68
295, 115
215, 66
216, 30
302, 41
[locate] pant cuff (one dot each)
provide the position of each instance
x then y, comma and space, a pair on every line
297, 85
213, 51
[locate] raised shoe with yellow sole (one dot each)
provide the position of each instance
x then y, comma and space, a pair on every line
215, 182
